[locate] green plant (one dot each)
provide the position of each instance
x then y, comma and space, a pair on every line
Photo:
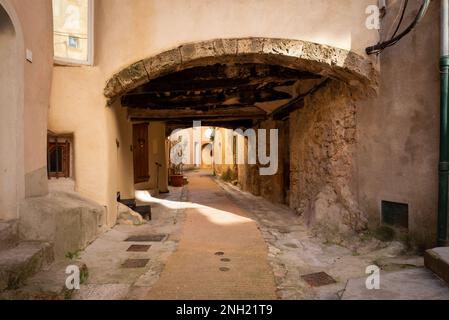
228, 175
73, 255
84, 275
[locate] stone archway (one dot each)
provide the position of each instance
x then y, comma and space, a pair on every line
318, 102
11, 113
326, 61
207, 155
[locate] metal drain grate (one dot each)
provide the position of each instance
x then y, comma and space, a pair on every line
319, 279
147, 238
135, 263
138, 248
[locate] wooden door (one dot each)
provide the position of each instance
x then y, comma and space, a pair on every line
140, 151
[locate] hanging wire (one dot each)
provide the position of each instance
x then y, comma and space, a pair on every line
404, 9
378, 48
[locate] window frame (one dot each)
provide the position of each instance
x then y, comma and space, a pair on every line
90, 42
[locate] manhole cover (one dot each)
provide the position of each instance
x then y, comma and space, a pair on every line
135, 263
138, 248
319, 279
224, 269
147, 238
219, 253
226, 260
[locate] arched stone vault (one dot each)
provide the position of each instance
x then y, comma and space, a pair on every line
331, 62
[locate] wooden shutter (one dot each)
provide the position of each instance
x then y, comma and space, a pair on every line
140, 151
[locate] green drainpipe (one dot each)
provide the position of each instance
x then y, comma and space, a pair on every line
444, 128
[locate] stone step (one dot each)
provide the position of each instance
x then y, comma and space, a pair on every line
48, 284
437, 260
19, 263
408, 284
9, 234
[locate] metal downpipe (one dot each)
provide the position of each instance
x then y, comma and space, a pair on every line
444, 128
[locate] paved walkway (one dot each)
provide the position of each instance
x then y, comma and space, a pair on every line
221, 255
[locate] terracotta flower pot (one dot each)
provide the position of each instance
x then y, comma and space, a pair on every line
177, 180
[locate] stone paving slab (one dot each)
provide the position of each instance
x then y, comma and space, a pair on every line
412, 284
213, 225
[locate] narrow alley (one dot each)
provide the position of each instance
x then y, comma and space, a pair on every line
209, 240
224, 150
221, 255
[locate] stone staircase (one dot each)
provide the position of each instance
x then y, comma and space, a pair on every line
33, 249
20, 260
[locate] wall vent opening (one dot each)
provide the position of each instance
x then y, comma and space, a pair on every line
395, 214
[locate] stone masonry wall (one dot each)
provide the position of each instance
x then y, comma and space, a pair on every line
323, 148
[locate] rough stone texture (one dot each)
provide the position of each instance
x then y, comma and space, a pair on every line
225, 46
437, 260
67, 220
9, 234
321, 144
163, 63
128, 216
294, 251
133, 76
19, 263
340, 64
323, 141
47, 284
271, 187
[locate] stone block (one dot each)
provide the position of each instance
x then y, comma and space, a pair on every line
133, 76
23, 261
437, 260
66, 220
113, 87
163, 63
250, 46
225, 47
195, 51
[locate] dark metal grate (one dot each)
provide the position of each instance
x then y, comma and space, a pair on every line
395, 214
138, 248
147, 238
319, 279
135, 263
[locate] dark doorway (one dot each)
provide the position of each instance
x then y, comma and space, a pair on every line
140, 153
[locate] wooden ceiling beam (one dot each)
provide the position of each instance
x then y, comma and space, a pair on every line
168, 114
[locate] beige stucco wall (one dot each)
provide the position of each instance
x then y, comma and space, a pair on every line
32, 20
398, 132
37, 24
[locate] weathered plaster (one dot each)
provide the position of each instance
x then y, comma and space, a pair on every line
327, 61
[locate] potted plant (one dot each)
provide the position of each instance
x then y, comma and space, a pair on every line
176, 175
